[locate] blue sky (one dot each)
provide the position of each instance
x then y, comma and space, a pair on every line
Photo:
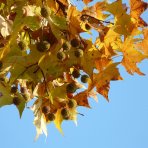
122, 123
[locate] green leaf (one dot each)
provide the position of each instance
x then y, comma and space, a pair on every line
21, 106
5, 97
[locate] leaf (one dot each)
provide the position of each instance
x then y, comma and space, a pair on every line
58, 120
103, 90
74, 23
82, 99
131, 57
122, 20
5, 97
59, 21
102, 79
21, 106
116, 8
40, 123
5, 26
143, 46
39, 120
137, 8
86, 1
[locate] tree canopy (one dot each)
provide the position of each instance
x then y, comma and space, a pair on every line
44, 56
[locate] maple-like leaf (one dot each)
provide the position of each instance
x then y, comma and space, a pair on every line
102, 80
131, 57
137, 8
82, 99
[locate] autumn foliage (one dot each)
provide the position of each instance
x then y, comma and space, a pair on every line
43, 54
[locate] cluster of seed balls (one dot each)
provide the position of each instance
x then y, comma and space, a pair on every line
43, 46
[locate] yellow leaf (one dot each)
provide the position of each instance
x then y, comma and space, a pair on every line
137, 8
58, 120
144, 44
131, 57
102, 79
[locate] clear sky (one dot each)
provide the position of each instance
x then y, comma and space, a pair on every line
122, 123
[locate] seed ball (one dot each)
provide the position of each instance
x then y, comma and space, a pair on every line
61, 55
75, 42
71, 88
23, 90
44, 12
42, 46
16, 101
78, 53
76, 73
22, 45
72, 103
51, 117
84, 78
1, 64
65, 46
70, 95
13, 89
46, 109
65, 113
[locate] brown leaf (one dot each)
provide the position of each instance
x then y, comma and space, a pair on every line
103, 90
82, 99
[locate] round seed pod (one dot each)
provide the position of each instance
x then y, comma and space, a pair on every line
46, 109
78, 53
51, 117
42, 46
13, 89
44, 12
75, 42
72, 103
16, 101
61, 55
76, 73
23, 90
65, 46
84, 78
65, 113
71, 88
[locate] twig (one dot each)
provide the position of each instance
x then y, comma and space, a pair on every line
80, 114
25, 71
44, 81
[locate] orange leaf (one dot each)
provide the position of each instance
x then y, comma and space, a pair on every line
82, 99
137, 8
103, 90
87, 1
102, 79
